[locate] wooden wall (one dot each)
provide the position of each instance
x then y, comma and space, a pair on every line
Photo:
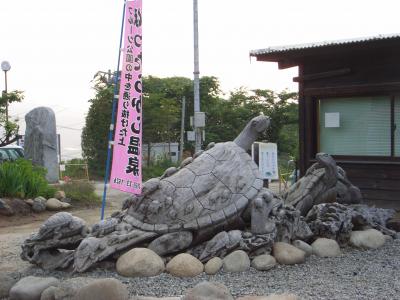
360, 71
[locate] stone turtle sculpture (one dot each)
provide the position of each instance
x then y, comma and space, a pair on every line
210, 193
324, 182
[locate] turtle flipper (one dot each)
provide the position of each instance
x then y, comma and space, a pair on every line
171, 242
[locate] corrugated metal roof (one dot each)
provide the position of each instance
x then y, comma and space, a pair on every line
287, 48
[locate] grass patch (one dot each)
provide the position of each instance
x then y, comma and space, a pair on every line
80, 192
21, 179
157, 168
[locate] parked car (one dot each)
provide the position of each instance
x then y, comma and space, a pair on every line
11, 152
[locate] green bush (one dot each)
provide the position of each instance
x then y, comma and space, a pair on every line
157, 168
23, 180
80, 191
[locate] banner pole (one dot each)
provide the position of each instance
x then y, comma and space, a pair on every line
114, 105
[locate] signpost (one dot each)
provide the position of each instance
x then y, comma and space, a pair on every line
266, 155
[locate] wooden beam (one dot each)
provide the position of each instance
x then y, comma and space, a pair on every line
327, 74
353, 90
287, 63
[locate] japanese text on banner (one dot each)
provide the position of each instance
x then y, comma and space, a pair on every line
126, 174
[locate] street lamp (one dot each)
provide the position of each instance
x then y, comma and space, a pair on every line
5, 66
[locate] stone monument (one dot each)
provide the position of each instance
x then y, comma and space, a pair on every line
41, 141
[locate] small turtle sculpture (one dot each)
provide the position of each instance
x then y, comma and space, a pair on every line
61, 224
324, 182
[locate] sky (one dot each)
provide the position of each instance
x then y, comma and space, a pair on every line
56, 47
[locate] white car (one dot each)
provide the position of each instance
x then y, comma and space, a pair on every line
11, 152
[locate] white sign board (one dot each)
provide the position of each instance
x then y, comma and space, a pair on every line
62, 168
332, 120
190, 136
267, 160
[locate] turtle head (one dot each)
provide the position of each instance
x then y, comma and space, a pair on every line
250, 133
325, 159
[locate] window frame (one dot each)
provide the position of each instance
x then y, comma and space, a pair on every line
355, 158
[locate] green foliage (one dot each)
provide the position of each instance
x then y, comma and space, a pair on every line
225, 118
157, 168
75, 169
95, 133
80, 191
8, 127
23, 180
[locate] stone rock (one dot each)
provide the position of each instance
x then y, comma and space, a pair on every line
388, 238
155, 298
66, 200
171, 242
208, 290
41, 141
237, 261
287, 254
39, 204
66, 289
5, 209
184, 265
323, 247
49, 293
29, 201
59, 195
270, 297
54, 204
140, 262
103, 289
394, 224
303, 246
6, 283
213, 266
367, 239
65, 205
263, 262
31, 287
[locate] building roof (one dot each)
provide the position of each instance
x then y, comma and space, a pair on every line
300, 47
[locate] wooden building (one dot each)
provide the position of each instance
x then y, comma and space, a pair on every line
349, 107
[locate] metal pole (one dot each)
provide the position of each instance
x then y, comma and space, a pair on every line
5, 93
196, 75
182, 127
111, 131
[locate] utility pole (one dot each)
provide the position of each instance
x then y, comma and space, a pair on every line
182, 127
197, 129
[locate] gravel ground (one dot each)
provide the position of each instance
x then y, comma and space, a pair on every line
373, 274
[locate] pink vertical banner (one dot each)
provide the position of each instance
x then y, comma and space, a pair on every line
126, 174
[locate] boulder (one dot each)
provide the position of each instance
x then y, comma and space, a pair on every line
66, 289
163, 245
287, 254
303, 246
59, 195
29, 201
140, 262
208, 290
237, 261
155, 298
270, 297
55, 204
31, 287
5, 209
49, 293
367, 239
184, 265
6, 283
324, 247
103, 289
263, 262
39, 204
213, 266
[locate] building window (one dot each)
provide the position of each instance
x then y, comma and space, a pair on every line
359, 126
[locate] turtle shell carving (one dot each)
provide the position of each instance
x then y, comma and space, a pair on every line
216, 186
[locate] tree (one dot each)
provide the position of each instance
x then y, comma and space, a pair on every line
9, 128
94, 137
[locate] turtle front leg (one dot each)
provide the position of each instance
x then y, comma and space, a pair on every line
260, 209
